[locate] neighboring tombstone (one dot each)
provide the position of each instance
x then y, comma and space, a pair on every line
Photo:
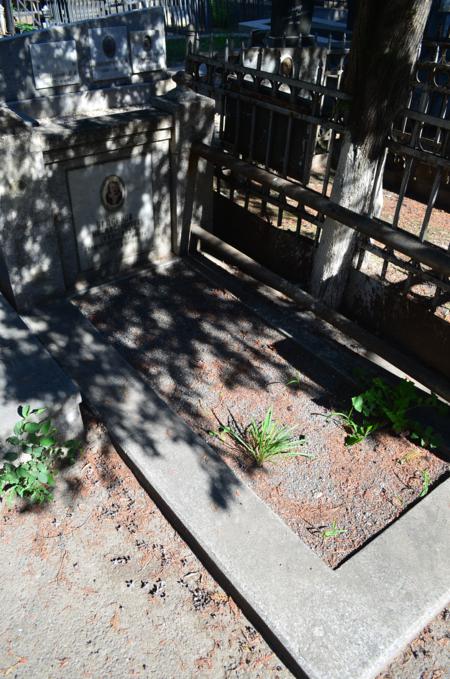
78, 148
93, 163
290, 20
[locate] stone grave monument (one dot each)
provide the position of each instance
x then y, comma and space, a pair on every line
95, 141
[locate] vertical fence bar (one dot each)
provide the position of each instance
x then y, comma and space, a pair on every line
9, 19
269, 140
431, 203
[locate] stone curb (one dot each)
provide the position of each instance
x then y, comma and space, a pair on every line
29, 375
343, 624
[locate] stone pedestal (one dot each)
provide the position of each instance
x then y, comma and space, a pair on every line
30, 265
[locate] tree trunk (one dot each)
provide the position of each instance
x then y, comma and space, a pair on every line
385, 46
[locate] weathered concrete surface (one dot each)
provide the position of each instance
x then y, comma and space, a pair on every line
29, 375
105, 560
335, 625
98, 585
192, 185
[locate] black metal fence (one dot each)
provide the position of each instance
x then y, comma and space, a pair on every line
205, 15
279, 130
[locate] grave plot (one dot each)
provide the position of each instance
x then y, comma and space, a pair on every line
217, 364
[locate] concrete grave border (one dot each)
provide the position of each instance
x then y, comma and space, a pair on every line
343, 624
30, 376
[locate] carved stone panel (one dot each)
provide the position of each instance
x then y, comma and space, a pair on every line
110, 56
112, 208
54, 63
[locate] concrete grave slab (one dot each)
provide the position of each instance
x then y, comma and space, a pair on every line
338, 624
29, 375
55, 63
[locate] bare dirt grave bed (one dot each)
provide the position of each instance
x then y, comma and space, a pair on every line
210, 359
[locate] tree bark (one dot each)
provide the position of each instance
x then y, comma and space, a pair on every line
385, 46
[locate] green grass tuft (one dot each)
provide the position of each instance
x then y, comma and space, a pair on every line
265, 440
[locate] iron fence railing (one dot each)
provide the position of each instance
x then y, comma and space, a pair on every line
419, 147
203, 14
270, 119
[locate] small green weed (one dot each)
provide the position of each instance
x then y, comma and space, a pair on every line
383, 405
426, 483
33, 478
333, 531
295, 381
356, 432
23, 27
263, 441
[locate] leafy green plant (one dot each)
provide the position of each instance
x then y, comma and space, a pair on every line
426, 483
263, 441
392, 406
33, 477
356, 432
333, 531
22, 27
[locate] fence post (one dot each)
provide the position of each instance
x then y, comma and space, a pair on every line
9, 19
208, 28
191, 35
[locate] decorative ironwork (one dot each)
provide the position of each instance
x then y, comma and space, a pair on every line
289, 125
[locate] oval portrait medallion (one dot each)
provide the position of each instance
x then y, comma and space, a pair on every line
113, 192
109, 46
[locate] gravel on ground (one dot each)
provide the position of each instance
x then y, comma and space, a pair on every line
98, 585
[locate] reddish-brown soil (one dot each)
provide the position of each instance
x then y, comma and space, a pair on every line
411, 215
98, 584
428, 656
209, 358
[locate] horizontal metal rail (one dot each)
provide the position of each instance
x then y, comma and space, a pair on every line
434, 121
228, 67
425, 157
285, 110
425, 253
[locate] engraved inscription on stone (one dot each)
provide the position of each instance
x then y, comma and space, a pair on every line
54, 63
148, 50
109, 53
112, 211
